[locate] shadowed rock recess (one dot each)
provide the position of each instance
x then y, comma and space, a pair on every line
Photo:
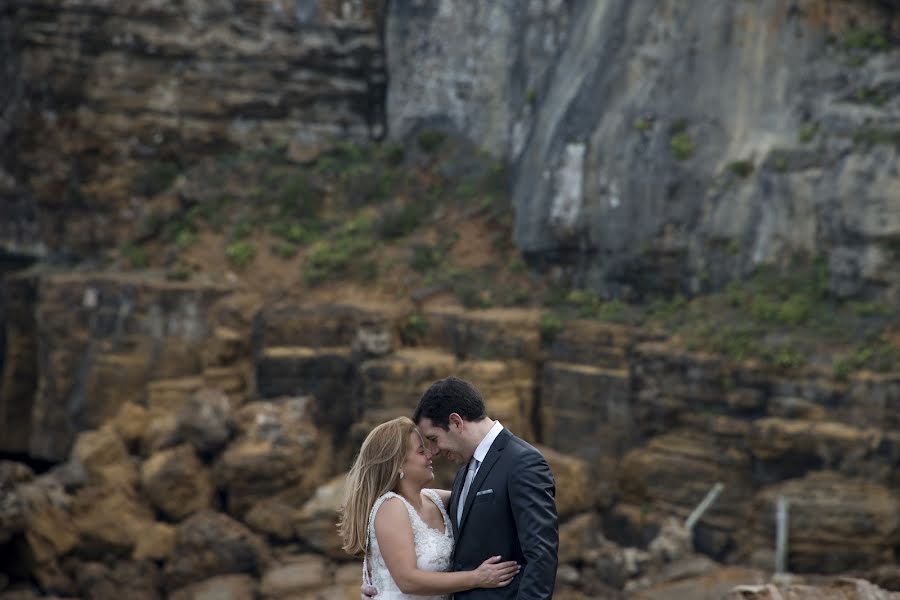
165, 435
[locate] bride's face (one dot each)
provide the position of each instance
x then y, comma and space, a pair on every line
417, 466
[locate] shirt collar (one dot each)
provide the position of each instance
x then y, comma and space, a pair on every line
485, 445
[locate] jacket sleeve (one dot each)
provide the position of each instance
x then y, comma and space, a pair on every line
532, 493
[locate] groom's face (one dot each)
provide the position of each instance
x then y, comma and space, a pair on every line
446, 442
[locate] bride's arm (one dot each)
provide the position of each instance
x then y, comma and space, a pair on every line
398, 548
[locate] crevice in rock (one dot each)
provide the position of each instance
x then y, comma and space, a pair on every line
38, 465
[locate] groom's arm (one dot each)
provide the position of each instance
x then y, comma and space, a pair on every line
533, 505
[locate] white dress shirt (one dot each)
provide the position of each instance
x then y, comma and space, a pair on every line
477, 458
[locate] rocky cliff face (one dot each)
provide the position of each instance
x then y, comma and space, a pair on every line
101, 93
20, 240
656, 147
197, 435
199, 438
664, 147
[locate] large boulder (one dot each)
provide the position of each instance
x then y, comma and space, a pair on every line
41, 510
576, 490
277, 448
205, 421
110, 520
836, 524
221, 587
209, 544
103, 582
294, 577
842, 589
316, 523
176, 482
157, 543
12, 517
713, 584
105, 458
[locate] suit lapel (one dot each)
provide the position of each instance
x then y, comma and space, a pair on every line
489, 461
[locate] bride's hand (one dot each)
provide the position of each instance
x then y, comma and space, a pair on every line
494, 574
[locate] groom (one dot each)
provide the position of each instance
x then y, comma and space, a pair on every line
502, 502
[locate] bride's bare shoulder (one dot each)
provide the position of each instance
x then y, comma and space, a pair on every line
444, 495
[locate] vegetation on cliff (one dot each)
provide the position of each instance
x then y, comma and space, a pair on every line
407, 223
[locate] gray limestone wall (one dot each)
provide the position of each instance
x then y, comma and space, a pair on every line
662, 147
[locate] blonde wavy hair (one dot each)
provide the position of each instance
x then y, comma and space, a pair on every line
375, 471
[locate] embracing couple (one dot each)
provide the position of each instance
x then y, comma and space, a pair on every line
495, 535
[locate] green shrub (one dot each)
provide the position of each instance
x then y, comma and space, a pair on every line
394, 154
874, 136
136, 255
185, 237
807, 133
366, 184
872, 41
343, 157
401, 220
240, 254
293, 232
867, 95
242, 231
550, 326
473, 295
414, 329
299, 198
869, 309
668, 309
426, 258
342, 255
613, 310
643, 124
681, 145
784, 356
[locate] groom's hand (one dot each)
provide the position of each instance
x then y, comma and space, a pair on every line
367, 592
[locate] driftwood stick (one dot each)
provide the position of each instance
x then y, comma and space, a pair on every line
703, 506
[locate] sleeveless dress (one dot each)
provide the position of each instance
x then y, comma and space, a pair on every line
433, 549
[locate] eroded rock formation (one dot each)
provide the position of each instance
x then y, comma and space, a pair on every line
230, 430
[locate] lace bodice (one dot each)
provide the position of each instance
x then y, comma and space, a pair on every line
433, 548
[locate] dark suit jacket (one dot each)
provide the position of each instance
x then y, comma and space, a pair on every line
510, 511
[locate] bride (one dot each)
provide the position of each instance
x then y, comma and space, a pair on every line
400, 527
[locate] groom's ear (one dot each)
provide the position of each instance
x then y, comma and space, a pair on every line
456, 422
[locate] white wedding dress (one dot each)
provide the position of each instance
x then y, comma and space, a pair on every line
433, 549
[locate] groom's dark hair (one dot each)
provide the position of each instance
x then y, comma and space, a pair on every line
450, 395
